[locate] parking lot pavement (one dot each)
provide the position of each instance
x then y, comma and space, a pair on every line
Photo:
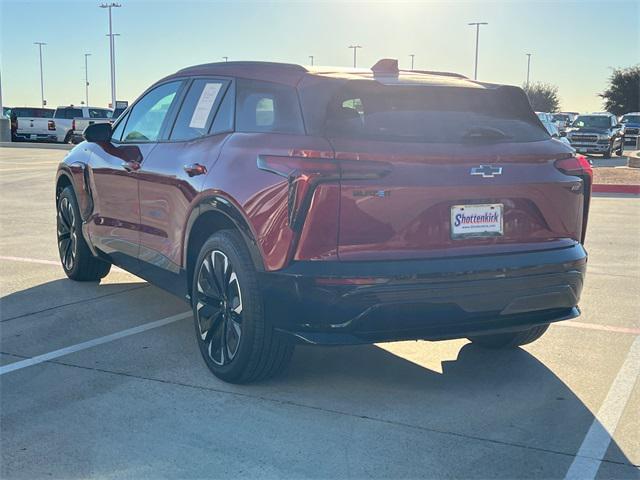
133, 398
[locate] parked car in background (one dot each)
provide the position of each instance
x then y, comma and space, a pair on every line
597, 133
631, 123
563, 120
32, 123
71, 121
331, 206
549, 124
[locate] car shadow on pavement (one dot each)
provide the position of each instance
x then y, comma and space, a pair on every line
503, 396
58, 293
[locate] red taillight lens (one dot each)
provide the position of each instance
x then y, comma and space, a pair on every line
305, 173
577, 165
73, 125
51, 125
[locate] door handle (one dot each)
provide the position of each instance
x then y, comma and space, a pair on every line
195, 169
131, 166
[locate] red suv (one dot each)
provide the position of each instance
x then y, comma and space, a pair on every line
325, 206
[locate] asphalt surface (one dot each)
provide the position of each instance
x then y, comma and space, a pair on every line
143, 405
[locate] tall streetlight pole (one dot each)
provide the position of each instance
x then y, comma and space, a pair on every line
86, 78
311, 58
112, 53
528, 66
40, 44
226, 59
477, 24
355, 49
412, 58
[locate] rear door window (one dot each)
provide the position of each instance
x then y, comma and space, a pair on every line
267, 107
198, 109
148, 115
68, 113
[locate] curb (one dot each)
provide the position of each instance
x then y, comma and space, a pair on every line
609, 188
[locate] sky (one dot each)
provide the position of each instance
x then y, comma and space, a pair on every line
575, 44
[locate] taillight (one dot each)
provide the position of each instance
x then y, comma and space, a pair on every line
51, 125
73, 124
575, 165
303, 174
579, 166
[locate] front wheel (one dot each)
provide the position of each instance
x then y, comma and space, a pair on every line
621, 149
77, 260
236, 340
510, 339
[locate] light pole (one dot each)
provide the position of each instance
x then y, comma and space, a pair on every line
412, 58
226, 59
528, 66
355, 49
86, 78
40, 44
111, 51
477, 24
311, 58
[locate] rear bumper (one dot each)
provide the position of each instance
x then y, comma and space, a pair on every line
48, 137
364, 302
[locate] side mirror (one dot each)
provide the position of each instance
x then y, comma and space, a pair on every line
98, 132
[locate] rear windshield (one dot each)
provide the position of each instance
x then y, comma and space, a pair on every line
32, 112
68, 113
631, 119
431, 114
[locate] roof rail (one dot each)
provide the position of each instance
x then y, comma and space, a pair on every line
291, 66
433, 72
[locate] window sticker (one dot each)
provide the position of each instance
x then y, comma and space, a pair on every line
203, 107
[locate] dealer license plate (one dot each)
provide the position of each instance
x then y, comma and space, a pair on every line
476, 220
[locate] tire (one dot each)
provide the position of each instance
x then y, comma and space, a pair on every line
621, 149
77, 260
510, 339
237, 342
67, 137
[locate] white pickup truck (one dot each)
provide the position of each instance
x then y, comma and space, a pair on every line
71, 121
31, 123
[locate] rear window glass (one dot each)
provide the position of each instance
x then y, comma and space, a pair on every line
99, 113
430, 114
593, 121
68, 113
32, 112
267, 107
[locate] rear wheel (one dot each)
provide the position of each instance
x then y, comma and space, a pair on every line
609, 151
510, 339
621, 148
236, 340
77, 260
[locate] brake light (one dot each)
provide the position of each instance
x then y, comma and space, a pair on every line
51, 125
303, 174
73, 124
575, 165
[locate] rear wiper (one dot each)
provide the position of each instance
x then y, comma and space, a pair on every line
484, 133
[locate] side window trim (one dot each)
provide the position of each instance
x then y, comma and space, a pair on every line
172, 114
230, 90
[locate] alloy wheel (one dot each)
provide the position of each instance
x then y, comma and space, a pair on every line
218, 303
67, 236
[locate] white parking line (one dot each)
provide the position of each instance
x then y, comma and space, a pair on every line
594, 446
91, 343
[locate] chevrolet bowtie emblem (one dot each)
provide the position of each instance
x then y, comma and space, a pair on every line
487, 171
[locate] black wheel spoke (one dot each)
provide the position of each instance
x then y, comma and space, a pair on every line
220, 265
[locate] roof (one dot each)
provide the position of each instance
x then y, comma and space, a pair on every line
291, 74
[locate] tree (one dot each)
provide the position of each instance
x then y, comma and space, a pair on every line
543, 97
623, 94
